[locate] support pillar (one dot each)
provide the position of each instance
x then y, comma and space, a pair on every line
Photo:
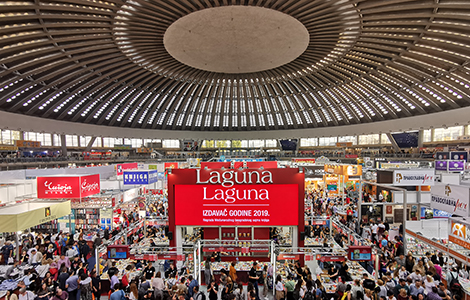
90, 144
63, 144
394, 143
420, 138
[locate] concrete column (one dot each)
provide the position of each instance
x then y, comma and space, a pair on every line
63, 144
52, 139
432, 135
90, 144
420, 138
357, 140
21, 135
394, 144
465, 129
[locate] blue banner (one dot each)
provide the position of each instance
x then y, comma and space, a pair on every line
459, 155
140, 177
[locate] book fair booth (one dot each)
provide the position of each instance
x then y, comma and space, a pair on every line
236, 208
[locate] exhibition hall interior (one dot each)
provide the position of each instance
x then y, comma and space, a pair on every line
234, 150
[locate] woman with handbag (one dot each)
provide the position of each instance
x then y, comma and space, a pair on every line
280, 289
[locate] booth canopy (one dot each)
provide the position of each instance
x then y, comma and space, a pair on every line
26, 215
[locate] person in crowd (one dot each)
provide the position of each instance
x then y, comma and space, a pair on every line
26, 295
401, 285
157, 282
279, 286
429, 284
118, 293
416, 288
212, 290
433, 294
71, 284
253, 278
60, 294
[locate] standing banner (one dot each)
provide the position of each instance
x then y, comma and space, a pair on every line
451, 198
418, 177
456, 166
459, 234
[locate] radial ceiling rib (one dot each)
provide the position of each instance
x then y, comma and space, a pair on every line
105, 63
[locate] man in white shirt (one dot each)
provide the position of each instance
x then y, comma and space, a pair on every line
374, 228
33, 257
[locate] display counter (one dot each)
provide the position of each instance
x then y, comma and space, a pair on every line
355, 270
243, 268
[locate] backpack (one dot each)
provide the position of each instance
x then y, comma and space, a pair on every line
203, 296
309, 296
455, 285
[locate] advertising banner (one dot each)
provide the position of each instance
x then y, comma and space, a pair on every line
89, 185
120, 168
459, 234
442, 155
344, 144
413, 177
349, 170
456, 166
459, 155
256, 205
140, 177
172, 165
440, 165
451, 198
55, 187
130, 194
27, 144
304, 160
360, 253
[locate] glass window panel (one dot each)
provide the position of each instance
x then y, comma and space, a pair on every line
427, 135
384, 139
271, 143
256, 143
448, 134
309, 142
368, 139
47, 139
171, 144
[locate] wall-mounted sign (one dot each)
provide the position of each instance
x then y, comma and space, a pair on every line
459, 234
144, 150
27, 144
440, 165
57, 187
304, 160
344, 144
418, 177
172, 165
118, 251
459, 155
456, 166
140, 177
451, 198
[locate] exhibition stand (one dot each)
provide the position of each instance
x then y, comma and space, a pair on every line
19, 217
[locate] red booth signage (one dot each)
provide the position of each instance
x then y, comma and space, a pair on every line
120, 168
257, 205
171, 165
55, 187
236, 197
288, 256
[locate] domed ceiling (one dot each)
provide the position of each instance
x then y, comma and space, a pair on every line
233, 65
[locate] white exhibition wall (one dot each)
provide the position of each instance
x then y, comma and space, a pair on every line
411, 197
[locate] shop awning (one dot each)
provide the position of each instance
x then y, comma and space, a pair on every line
25, 215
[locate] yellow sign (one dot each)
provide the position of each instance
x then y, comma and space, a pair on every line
344, 144
144, 150
349, 170
152, 167
9, 148
28, 144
